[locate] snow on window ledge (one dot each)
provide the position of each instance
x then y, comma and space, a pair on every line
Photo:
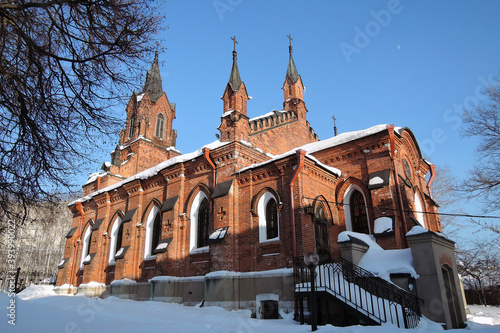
384, 225
376, 181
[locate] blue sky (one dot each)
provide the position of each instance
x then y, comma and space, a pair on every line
410, 63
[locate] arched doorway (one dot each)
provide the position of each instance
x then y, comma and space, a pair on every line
321, 233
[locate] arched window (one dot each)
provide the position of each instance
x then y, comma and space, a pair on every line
267, 209
156, 233
271, 219
419, 209
87, 240
359, 219
200, 222
131, 129
116, 237
355, 210
321, 233
203, 223
160, 126
153, 232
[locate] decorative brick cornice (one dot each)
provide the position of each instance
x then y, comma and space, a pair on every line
133, 187
102, 199
348, 154
117, 194
153, 182
89, 205
173, 172
319, 173
286, 165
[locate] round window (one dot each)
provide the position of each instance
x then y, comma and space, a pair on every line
407, 169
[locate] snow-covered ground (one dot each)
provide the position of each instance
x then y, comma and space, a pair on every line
38, 309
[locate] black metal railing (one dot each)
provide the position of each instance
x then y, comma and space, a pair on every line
377, 299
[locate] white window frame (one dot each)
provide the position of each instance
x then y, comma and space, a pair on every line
261, 211
347, 207
85, 246
419, 208
149, 233
113, 236
193, 235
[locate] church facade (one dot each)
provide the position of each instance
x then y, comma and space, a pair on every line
240, 208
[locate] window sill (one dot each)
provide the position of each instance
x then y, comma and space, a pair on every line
270, 241
200, 250
150, 258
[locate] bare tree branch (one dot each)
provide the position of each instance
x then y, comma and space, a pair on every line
483, 121
64, 64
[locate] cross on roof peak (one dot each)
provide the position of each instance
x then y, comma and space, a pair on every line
234, 43
290, 38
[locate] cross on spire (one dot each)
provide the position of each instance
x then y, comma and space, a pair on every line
234, 43
290, 38
334, 125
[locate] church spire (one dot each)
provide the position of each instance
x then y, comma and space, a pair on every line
293, 88
234, 121
153, 83
235, 96
291, 71
234, 78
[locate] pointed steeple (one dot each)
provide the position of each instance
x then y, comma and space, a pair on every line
153, 82
291, 71
234, 78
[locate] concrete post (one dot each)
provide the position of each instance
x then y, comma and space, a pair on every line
438, 284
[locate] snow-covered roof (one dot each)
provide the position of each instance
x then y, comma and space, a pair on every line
324, 144
154, 170
314, 147
94, 176
310, 148
346, 137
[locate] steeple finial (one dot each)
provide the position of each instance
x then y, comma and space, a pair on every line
234, 77
234, 43
291, 70
334, 125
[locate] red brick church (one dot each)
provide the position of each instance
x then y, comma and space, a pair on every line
158, 224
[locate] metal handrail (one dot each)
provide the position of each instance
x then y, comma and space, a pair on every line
376, 298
